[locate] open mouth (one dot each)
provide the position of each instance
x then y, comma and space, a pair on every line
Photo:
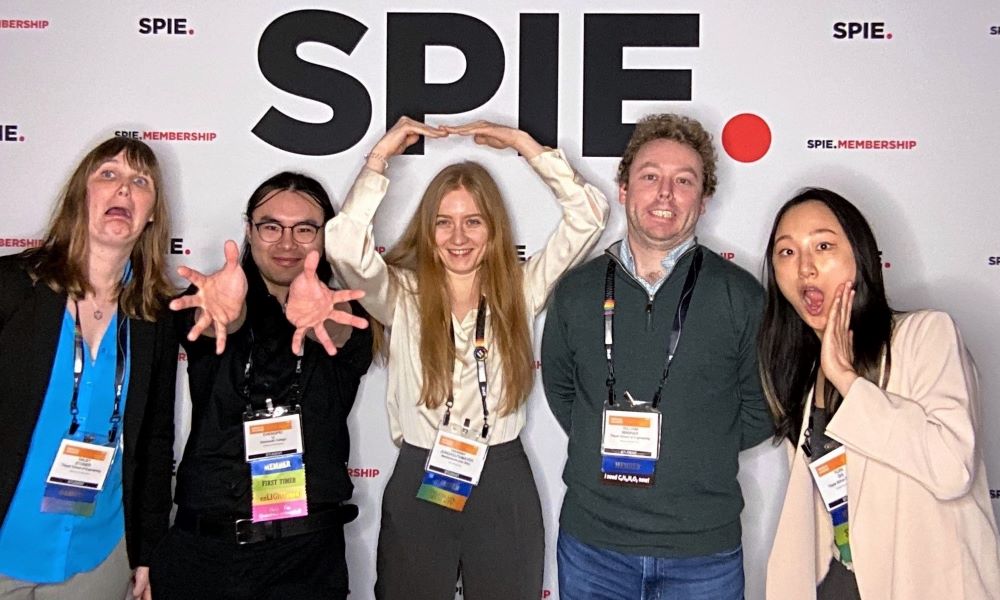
460, 252
813, 300
662, 214
119, 212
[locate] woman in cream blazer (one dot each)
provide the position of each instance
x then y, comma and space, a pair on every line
904, 394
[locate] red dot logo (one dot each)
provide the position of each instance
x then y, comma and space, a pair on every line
746, 138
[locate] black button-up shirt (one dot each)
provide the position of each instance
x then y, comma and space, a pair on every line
213, 477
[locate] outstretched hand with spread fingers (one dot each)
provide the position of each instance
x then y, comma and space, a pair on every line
311, 304
220, 298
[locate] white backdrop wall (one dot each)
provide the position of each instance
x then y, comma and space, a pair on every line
906, 93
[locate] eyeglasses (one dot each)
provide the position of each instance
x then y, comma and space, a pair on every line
270, 231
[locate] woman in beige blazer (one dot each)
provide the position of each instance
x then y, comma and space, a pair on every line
886, 400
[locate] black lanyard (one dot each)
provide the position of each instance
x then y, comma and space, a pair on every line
78, 359
296, 388
480, 355
675, 331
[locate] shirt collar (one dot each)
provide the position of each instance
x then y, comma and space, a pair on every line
669, 262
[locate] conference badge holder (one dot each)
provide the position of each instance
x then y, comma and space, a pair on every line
78, 474
455, 461
454, 465
81, 465
630, 444
273, 445
630, 431
829, 472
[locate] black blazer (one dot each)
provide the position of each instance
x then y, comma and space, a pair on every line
30, 320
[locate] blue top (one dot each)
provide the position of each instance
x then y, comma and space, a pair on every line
49, 547
668, 263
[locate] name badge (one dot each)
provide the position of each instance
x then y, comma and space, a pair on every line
274, 451
81, 464
830, 474
630, 447
76, 477
278, 488
457, 456
454, 465
272, 436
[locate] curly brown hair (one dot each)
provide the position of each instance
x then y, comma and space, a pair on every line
680, 129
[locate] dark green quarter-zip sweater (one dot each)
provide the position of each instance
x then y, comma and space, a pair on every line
712, 403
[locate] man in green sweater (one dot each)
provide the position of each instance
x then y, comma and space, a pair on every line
649, 365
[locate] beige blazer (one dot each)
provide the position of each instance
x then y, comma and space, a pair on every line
921, 523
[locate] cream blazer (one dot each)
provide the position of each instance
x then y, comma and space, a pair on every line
921, 522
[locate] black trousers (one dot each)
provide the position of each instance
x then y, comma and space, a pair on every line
839, 584
498, 539
186, 566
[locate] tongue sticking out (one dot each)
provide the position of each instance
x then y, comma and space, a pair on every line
814, 301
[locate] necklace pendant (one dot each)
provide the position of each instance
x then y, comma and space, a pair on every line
98, 314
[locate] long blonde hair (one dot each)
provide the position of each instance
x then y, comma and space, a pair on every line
500, 279
61, 261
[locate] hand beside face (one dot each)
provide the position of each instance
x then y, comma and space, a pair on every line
120, 201
812, 257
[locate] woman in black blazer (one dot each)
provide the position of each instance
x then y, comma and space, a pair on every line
88, 355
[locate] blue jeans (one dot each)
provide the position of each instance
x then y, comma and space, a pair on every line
589, 573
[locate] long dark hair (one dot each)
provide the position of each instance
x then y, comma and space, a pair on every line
788, 350
292, 182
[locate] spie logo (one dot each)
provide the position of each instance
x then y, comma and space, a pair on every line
860, 30
164, 26
8, 133
746, 138
177, 246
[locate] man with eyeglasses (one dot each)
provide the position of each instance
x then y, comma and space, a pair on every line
270, 406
